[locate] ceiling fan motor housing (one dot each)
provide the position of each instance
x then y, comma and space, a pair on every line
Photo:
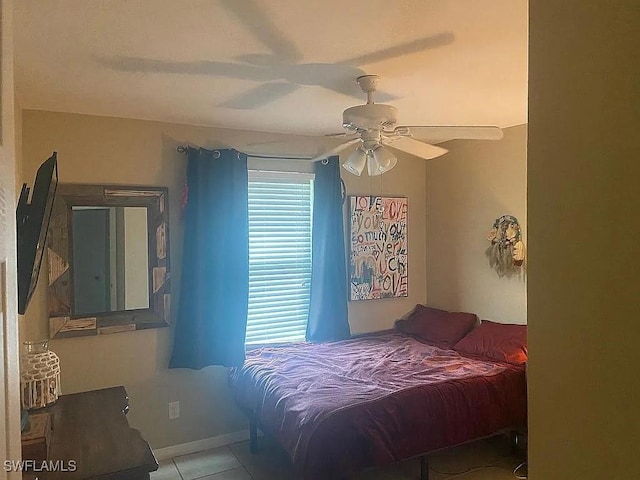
372, 116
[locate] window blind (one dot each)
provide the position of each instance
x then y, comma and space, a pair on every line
280, 212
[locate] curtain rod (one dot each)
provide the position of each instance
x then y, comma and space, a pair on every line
185, 149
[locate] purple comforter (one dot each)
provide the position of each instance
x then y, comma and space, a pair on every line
342, 406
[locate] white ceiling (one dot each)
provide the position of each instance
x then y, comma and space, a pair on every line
442, 62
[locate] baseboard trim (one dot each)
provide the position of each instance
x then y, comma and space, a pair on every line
166, 453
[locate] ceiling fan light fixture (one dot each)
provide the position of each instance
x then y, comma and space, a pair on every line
375, 126
356, 161
380, 160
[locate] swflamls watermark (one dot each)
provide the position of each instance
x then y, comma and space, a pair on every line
40, 466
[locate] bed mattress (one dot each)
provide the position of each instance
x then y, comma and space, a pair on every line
342, 406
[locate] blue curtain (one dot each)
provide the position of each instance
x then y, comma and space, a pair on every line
328, 317
212, 315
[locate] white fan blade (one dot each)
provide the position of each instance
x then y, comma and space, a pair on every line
335, 150
437, 134
341, 134
415, 147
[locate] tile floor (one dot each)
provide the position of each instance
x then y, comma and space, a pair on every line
484, 460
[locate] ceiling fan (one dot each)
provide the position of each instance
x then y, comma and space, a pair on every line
373, 126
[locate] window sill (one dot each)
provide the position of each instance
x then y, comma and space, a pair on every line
256, 346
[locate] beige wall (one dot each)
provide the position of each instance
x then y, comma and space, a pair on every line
136, 254
583, 283
467, 189
18, 137
9, 372
109, 150
406, 179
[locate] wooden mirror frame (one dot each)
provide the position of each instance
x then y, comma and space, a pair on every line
62, 322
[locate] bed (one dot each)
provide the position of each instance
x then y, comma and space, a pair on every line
339, 407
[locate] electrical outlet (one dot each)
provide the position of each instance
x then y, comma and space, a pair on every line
174, 410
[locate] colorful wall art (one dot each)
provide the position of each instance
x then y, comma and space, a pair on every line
378, 247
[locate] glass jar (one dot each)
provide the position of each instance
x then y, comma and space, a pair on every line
39, 346
39, 375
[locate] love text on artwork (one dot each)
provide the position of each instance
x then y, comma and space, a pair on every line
378, 241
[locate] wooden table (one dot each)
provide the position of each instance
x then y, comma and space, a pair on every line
91, 429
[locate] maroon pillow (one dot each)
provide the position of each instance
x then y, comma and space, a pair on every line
438, 327
498, 341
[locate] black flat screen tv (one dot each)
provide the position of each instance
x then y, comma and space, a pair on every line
32, 218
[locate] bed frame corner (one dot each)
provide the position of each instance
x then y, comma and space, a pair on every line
424, 467
253, 434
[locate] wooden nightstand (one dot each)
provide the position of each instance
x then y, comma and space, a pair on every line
37, 437
91, 435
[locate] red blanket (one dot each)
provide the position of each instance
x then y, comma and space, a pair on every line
339, 407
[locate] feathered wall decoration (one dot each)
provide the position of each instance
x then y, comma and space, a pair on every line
507, 252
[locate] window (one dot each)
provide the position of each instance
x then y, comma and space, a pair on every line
280, 213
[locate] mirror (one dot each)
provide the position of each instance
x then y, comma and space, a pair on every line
110, 264
108, 260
